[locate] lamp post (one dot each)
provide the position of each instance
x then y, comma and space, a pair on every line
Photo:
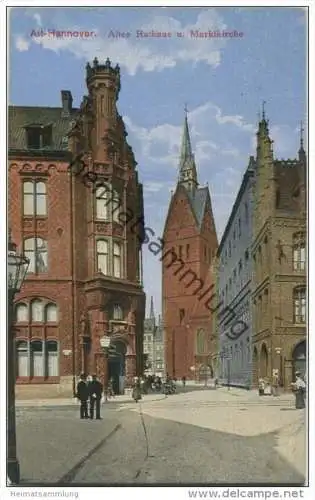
16, 270
105, 343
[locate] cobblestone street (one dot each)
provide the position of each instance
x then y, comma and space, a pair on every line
213, 437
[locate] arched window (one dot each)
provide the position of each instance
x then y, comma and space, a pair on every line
21, 313
102, 256
116, 206
52, 368
22, 359
117, 312
37, 360
117, 260
37, 309
299, 303
201, 342
278, 198
103, 200
299, 252
34, 198
36, 250
51, 313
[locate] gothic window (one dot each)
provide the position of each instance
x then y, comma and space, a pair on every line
37, 359
116, 206
21, 313
187, 251
299, 252
34, 198
51, 313
181, 315
299, 301
103, 199
117, 260
117, 312
102, 256
201, 342
52, 369
278, 198
37, 311
36, 250
22, 358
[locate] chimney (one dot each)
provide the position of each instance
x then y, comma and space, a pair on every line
66, 99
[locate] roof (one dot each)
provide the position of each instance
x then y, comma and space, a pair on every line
23, 116
198, 200
249, 172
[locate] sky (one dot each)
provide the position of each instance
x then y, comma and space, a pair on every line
222, 81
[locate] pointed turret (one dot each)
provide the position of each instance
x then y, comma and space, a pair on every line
152, 315
302, 155
264, 143
187, 166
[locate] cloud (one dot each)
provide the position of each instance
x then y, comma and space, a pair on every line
21, 44
146, 54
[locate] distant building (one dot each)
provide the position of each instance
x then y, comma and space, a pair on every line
279, 262
190, 245
234, 288
153, 344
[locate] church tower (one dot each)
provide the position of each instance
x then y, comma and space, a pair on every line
190, 245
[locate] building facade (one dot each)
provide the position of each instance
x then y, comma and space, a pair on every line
190, 245
279, 263
234, 288
76, 210
153, 344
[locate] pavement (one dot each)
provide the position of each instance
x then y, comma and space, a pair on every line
204, 437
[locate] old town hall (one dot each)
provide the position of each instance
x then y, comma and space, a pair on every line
85, 274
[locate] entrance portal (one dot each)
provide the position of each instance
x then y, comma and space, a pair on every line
299, 359
116, 365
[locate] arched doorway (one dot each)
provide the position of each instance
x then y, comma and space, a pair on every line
299, 359
205, 373
255, 367
116, 365
263, 365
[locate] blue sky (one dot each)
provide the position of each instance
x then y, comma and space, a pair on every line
223, 82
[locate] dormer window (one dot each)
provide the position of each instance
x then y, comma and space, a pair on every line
38, 136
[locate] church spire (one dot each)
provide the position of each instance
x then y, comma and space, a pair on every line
187, 167
152, 316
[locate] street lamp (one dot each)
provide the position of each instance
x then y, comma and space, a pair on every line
105, 343
17, 266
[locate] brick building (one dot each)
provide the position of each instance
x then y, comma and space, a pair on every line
190, 245
279, 262
82, 228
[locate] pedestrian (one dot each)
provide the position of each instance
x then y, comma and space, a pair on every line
83, 395
136, 391
184, 381
299, 389
261, 387
95, 393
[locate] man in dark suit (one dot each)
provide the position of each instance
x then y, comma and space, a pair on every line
83, 395
95, 394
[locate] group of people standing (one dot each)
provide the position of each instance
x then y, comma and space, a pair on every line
89, 393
